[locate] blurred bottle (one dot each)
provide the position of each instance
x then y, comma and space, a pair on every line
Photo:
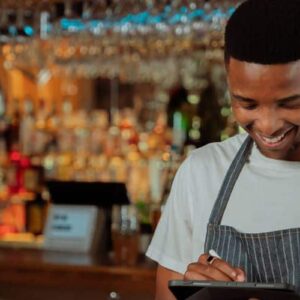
50, 163
125, 235
3, 130
36, 212
66, 132
15, 169
13, 126
27, 129
18, 164
52, 123
33, 174
209, 110
41, 137
65, 142
178, 117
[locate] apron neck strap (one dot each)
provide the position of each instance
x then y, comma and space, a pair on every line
229, 181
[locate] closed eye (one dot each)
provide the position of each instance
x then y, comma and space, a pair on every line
249, 106
290, 105
292, 102
245, 103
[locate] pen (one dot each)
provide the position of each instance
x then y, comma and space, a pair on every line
213, 253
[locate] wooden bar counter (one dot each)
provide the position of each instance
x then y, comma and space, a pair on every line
31, 274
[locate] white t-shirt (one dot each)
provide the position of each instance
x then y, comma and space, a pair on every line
266, 197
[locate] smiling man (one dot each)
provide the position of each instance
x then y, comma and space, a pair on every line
240, 197
266, 103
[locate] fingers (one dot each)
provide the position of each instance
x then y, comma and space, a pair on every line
222, 266
195, 275
241, 276
197, 270
218, 270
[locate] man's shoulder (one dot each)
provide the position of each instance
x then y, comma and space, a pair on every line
219, 151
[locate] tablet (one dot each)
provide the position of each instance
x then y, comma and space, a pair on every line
216, 290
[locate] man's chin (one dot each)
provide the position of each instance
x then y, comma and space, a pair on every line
270, 152
290, 154
273, 154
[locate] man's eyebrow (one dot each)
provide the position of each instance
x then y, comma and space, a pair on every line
241, 98
286, 99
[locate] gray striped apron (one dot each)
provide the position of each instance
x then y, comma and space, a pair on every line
265, 257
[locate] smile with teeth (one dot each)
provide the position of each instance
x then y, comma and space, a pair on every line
276, 139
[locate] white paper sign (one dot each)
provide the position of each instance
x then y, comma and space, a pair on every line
71, 227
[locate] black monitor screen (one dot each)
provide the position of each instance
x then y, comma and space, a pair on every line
102, 194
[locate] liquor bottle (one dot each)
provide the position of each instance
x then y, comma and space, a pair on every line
177, 117
3, 148
65, 142
33, 172
24, 172
3, 129
53, 121
209, 110
13, 126
27, 129
15, 170
36, 210
40, 137
14, 174
125, 234
66, 132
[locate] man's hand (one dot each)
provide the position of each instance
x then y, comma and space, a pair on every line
218, 270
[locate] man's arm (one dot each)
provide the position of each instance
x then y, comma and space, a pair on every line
162, 278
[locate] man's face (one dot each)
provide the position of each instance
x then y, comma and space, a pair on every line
266, 103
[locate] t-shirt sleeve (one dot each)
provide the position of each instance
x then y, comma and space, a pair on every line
171, 245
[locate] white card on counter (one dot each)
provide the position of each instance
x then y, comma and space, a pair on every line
71, 228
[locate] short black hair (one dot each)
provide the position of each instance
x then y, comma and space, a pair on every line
264, 31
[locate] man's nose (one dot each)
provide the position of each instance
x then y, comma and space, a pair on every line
268, 122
